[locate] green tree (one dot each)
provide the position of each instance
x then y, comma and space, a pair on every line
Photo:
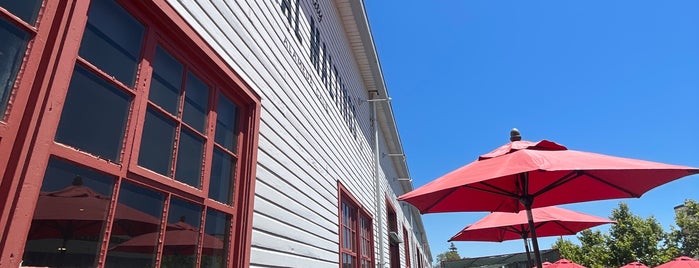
686, 238
451, 255
633, 238
568, 249
592, 252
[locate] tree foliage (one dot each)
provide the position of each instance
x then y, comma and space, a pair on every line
451, 255
686, 238
634, 238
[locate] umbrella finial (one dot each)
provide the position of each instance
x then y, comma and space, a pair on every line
514, 135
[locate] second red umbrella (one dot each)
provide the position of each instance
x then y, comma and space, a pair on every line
548, 221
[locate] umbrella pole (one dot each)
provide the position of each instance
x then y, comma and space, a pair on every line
532, 228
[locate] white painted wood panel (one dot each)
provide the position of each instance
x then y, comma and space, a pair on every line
306, 144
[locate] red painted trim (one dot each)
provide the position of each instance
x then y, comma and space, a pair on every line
343, 193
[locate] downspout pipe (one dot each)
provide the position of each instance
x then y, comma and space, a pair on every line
377, 180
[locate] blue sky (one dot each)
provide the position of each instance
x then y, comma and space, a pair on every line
614, 77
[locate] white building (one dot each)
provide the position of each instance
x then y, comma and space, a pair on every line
202, 133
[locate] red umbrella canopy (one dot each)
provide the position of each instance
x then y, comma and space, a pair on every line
565, 263
544, 172
180, 239
634, 265
681, 262
549, 221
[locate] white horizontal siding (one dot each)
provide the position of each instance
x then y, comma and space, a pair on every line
305, 146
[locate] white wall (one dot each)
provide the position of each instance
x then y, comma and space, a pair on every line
307, 144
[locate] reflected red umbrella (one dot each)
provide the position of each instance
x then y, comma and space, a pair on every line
522, 175
180, 239
78, 210
680, 262
565, 263
548, 221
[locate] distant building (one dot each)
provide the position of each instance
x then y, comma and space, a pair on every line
199, 133
514, 260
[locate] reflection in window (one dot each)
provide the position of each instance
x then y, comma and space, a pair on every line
189, 158
94, 115
134, 238
156, 143
180, 247
218, 227
12, 47
26, 10
70, 215
222, 177
112, 40
166, 82
196, 99
226, 121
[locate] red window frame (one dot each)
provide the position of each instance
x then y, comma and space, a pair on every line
62, 24
406, 244
360, 228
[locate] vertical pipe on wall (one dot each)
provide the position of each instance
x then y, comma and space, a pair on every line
377, 180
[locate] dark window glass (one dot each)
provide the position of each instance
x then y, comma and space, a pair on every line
182, 236
134, 238
222, 179
25, 9
196, 96
189, 158
112, 40
70, 215
12, 47
217, 229
166, 83
157, 142
94, 115
226, 121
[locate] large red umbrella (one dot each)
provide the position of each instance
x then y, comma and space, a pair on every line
681, 262
634, 265
522, 175
565, 263
548, 221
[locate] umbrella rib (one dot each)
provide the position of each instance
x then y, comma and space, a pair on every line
427, 209
497, 190
612, 185
565, 179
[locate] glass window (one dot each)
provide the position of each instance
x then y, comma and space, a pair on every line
94, 115
189, 159
70, 215
221, 183
26, 10
112, 40
196, 99
226, 121
182, 235
216, 230
167, 81
156, 143
134, 238
11, 54
356, 235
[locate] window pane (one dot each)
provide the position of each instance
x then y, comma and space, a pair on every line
94, 115
222, 179
166, 82
196, 98
189, 156
25, 9
134, 238
182, 236
11, 54
226, 121
112, 40
217, 229
70, 214
157, 143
